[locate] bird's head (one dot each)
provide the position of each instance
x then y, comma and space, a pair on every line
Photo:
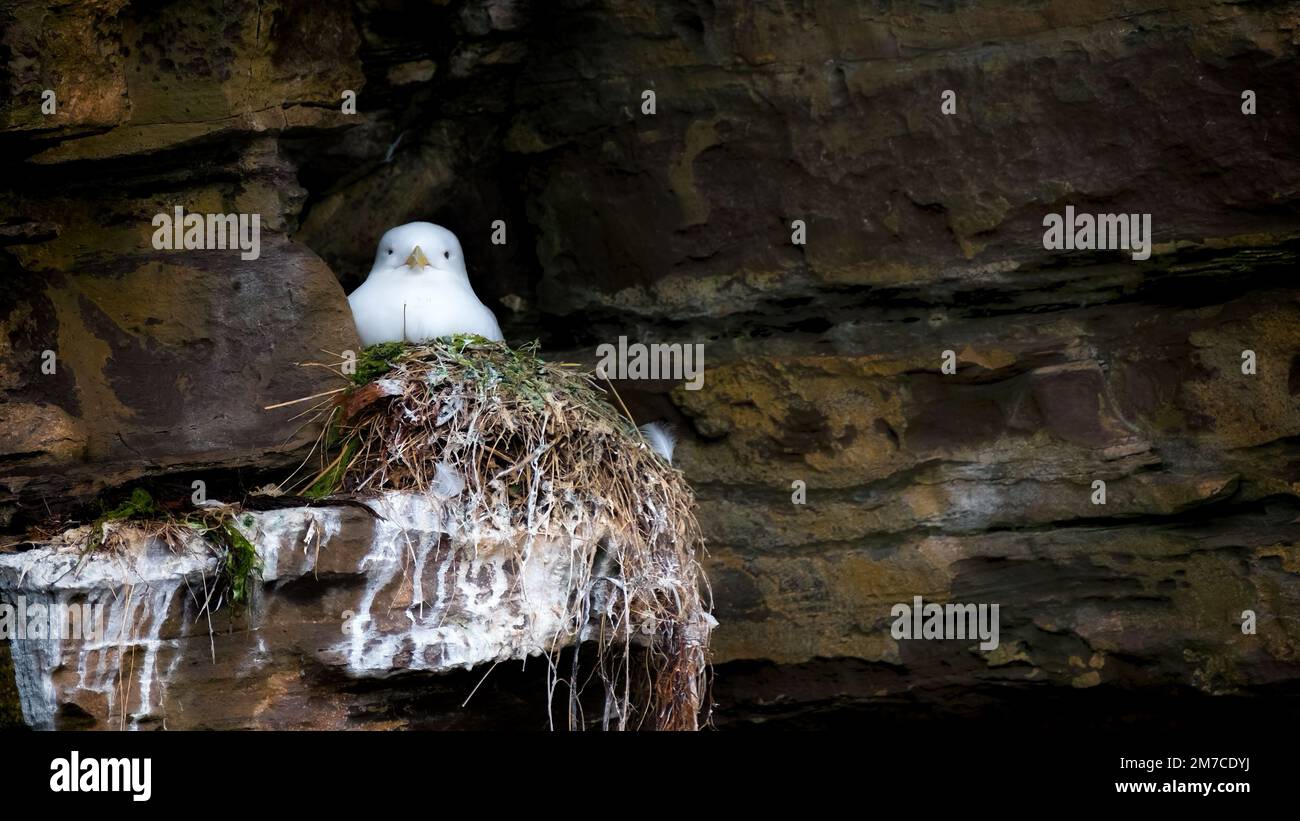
419, 248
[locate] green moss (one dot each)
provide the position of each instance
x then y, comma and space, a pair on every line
140, 506
332, 478
376, 360
242, 565
472, 358
468, 350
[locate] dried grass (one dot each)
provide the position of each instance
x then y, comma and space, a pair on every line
542, 452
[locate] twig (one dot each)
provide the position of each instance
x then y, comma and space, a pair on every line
304, 399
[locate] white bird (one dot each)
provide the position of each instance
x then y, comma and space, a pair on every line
419, 290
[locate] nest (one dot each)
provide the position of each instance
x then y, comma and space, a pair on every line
140, 519
517, 444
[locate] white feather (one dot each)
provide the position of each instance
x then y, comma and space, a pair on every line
447, 481
661, 439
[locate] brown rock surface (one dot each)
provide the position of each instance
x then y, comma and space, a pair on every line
347, 602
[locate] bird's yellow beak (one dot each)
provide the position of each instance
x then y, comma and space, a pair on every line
417, 259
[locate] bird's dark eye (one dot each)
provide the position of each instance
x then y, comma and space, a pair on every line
390, 252
446, 254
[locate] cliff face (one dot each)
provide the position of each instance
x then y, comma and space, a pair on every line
340, 613
822, 361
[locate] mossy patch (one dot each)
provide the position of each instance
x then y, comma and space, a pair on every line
240, 565
139, 506
375, 361
331, 479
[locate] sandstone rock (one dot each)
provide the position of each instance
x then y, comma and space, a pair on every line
346, 597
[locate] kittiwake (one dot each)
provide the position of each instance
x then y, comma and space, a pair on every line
419, 290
